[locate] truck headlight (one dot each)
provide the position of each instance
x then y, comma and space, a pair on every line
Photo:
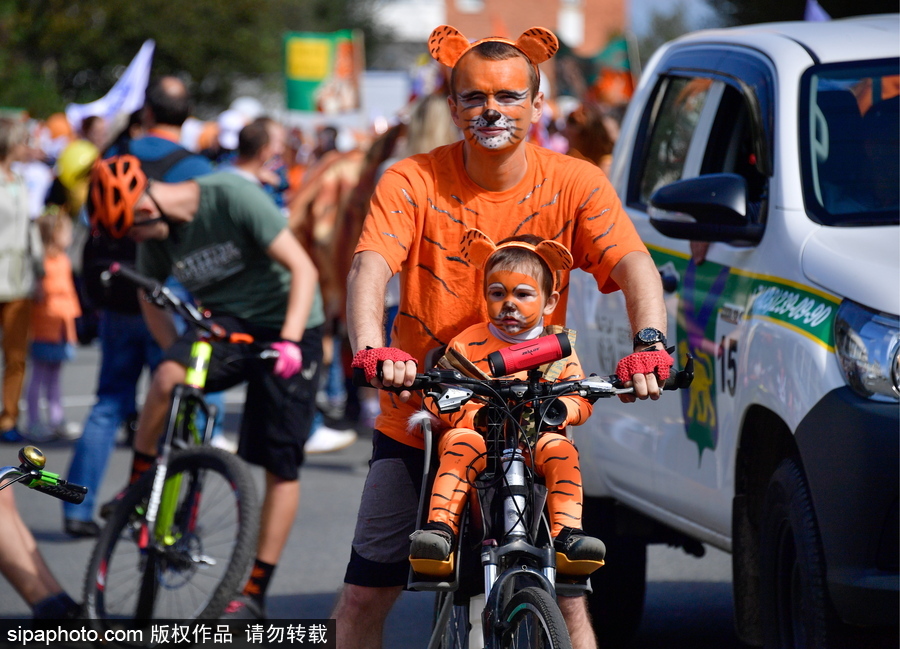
867, 343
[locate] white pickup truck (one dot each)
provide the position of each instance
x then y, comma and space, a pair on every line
760, 166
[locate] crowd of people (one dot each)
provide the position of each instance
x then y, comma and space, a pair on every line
328, 229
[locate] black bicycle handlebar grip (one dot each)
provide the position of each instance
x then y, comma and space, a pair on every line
359, 380
682, 379
133, 276
529, 355
71, 493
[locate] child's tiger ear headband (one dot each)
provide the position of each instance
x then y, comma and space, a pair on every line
447, 45
476, 248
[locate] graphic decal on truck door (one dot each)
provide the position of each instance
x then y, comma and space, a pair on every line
701, 296
714, 304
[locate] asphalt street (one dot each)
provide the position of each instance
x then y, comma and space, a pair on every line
689, 602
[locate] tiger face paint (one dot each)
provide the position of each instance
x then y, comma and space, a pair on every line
493, 106
515, 302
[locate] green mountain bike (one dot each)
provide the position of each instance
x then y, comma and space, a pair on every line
181, 540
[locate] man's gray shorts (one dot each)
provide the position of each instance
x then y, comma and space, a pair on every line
387, 515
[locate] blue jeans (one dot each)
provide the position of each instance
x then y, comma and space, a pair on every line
126, 346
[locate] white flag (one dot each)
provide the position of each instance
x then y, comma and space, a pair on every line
814, 12
125, 97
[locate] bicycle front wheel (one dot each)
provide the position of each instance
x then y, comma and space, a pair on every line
532, 620
193, 567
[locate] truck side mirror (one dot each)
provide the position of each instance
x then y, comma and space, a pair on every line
712, 207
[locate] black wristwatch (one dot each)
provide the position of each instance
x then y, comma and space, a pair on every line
649, 336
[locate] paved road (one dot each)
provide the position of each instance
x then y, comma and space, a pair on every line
689, 601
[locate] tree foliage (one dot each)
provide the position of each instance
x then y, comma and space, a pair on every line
745, 12
57, 51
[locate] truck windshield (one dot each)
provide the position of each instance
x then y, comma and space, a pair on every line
850, 143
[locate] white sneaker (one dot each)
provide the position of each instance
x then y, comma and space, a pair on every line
68, 430
224, 443
327, 440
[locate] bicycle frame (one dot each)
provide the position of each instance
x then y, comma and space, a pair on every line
187, 398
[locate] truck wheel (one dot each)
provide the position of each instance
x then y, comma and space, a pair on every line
617, 602
794, 604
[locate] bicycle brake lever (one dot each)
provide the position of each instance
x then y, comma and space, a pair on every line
452, 398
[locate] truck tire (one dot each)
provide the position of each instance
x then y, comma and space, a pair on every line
794, 605
617, 601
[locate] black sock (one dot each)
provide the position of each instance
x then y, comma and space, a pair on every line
259, 581
140, 464
55, 607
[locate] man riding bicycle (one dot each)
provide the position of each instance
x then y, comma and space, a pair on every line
497, 182
227, 243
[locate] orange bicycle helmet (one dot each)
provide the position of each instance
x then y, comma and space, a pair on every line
116, 185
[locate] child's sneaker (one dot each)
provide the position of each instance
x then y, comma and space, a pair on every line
67, 430
431, 548
575, 545
40, 432
434, 541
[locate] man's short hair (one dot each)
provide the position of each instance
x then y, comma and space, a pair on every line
253, 137
169, 100
498, 51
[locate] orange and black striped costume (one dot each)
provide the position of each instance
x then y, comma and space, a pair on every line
423, 206
462, 450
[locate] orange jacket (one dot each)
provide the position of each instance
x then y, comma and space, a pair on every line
53, 319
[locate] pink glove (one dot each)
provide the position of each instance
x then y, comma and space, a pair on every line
657, 361
290, 359
368, 359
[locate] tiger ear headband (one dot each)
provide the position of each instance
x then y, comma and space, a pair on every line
447, 45
476, 248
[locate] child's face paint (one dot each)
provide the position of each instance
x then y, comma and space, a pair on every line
514, 301
493, 106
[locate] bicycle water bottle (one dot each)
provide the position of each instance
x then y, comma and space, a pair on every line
515, 503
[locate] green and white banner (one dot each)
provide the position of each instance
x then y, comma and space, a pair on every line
322, 71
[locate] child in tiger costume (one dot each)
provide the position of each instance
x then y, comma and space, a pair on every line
520, 288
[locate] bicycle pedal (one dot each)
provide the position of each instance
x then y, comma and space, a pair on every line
578, 568
433, 567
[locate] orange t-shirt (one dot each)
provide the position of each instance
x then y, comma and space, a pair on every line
423, 206
53, 319
477, 343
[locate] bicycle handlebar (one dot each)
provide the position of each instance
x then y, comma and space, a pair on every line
165, 299
592, 387
31, 473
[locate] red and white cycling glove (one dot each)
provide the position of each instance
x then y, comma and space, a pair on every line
657, 361
368, 359
290, 359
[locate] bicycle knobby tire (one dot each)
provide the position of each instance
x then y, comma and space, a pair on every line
209, 551
531, 619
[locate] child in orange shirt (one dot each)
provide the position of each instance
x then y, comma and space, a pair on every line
52, 325
519, 289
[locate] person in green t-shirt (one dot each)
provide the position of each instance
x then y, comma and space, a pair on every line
227, 243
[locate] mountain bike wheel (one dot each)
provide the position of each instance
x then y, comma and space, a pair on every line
532, 620
198, 567
451, 623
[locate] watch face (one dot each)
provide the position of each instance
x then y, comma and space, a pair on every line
649, 336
